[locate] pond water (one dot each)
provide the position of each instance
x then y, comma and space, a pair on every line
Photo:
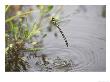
86, 35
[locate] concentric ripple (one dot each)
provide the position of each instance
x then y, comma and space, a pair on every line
84, 58
86, 52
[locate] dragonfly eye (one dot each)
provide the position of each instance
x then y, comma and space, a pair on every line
53, 19
57, 25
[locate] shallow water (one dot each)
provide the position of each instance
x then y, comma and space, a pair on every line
86, 34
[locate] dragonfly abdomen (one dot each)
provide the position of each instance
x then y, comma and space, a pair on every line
54, 22
63, 36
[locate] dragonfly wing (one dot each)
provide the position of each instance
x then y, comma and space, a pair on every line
64, 22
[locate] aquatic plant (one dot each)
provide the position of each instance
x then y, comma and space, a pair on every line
16, 35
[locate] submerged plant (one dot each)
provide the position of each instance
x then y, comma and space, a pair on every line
55, 64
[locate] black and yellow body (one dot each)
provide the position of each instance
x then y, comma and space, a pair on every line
54, 22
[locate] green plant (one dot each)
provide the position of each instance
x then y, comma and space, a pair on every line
19, 32
16, 36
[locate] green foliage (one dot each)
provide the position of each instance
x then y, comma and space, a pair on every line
18, 33
13, 58
48, 9
45, 9
35, 30
16, 36
21, 14
6, 8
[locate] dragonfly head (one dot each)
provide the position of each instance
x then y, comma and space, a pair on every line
53, 19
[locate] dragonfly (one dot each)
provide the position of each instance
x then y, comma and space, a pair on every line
54, 22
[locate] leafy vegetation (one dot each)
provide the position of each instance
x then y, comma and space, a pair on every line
18, 34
